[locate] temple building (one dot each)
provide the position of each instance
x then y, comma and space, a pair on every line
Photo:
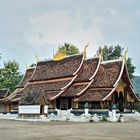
75, 80
11, 102
3, 94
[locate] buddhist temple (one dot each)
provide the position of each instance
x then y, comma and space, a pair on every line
3, 94
11, 102
74, 81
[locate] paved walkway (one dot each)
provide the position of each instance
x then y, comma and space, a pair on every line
15, 130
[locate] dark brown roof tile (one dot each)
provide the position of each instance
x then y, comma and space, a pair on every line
93, 95
57, 69
26, 77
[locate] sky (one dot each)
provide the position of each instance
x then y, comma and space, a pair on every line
38, 27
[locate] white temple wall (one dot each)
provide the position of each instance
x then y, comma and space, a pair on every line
29, 109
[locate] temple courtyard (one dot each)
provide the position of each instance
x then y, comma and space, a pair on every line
16, 130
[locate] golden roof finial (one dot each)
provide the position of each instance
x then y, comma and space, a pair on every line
37, 58
59, 55
26, 66
124, 55
85, 51
101, 53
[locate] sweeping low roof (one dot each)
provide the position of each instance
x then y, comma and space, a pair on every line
84, 79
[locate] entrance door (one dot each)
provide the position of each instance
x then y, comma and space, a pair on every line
69, 103
115, 97
64, 104
121, 102
58, 103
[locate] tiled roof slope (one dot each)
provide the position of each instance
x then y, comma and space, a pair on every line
52, 86
107, 74
4, 93
43, 88
51, 77
19, 91
96, 95
86, 72
26, 77
106, 77
57, 69
88, 69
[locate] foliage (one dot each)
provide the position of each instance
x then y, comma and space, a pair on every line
69, 49
115, 52
110, 52
9, 75
131, 68
136, 83
0, 56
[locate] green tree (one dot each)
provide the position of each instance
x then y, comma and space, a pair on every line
131, 68
0, 58
115, 52
110, 52
9, 75
69, 49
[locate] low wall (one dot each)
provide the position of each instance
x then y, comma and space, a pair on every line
29, 109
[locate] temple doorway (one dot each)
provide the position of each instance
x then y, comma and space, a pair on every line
118, 100
121, 102
63, 103
115, 98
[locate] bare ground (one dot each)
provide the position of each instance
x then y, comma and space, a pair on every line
15, 130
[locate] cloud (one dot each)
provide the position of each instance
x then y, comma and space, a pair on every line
58, 27
32, 27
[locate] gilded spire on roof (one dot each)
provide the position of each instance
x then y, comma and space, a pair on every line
37, 58
124, 55
101, 53
26, 66
59, 55
85, 51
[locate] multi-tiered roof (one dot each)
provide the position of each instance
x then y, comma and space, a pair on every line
52, 78
83, 79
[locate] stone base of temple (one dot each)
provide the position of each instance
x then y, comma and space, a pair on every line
27, 116
82, 116
73, 116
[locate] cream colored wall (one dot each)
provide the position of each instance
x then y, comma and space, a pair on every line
129, 98
121, 87
7, 107
74, 104
52, 104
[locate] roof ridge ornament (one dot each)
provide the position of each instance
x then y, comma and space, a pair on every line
124, 55
37, 58
59, 55
101, 53
26, 66
85, 51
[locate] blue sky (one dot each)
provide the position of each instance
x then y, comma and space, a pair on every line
37, 27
